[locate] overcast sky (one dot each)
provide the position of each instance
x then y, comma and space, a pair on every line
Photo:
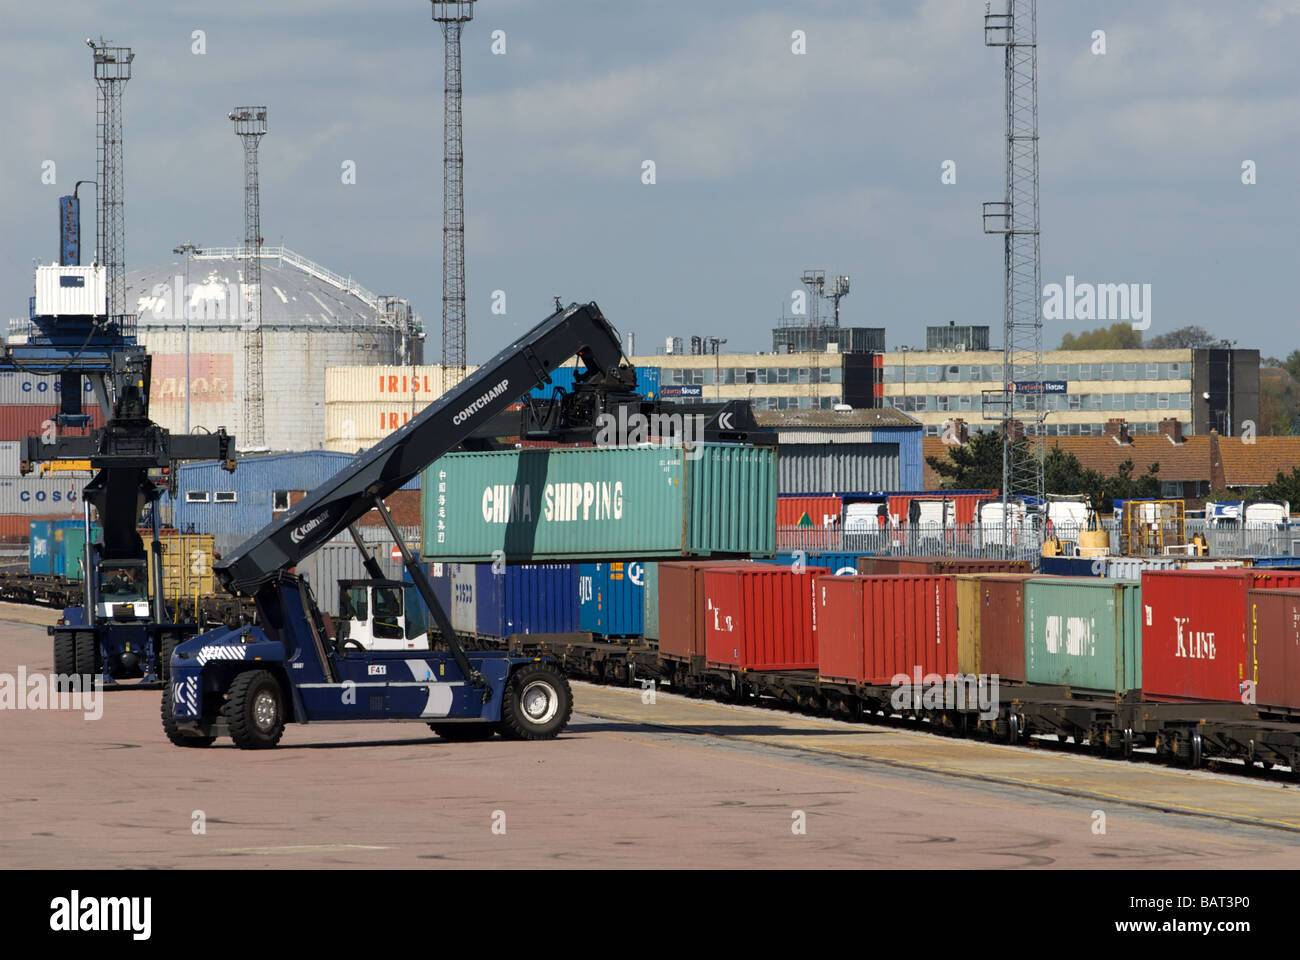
767, 162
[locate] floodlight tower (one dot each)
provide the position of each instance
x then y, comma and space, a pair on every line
452, 15
250, 127
1016, 218
815, 281
839, 290
112, 71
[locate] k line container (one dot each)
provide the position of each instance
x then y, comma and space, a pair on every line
991, 625
760, 617
611, 598
873, 629
680, 599
1194, 636
650, 602
1273, 647
597, 503
1084, 633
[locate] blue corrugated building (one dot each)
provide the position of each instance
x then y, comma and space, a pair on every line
838, 450
210, 500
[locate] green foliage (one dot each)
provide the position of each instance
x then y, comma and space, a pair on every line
1184, 338
1118, 336
976, 465
1285, 487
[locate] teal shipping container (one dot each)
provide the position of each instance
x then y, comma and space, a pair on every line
601, 503
40, 548
650, 597
1085, 633
73, 546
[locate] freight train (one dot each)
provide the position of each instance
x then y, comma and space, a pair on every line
1194, 663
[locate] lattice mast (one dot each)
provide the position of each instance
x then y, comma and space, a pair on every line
112, 71
250, 127
1020, 405
452, 15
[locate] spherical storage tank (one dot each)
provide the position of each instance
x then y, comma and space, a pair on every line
312, 318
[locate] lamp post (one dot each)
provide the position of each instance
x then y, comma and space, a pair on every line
714, 343
188, 249
1228, 345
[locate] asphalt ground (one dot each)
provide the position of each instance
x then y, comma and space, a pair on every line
630, 784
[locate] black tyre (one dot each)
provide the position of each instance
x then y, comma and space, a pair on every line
87, 658
255, 710
166, 647
537, 703
174, 733
464, 732
65, 658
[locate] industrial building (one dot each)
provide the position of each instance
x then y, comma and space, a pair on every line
822, 451
1202, 389
311, 319
771, 381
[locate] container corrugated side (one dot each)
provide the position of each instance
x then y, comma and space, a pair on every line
526, 599
936, 566
1273, 647
815, 512
17, 388
650, 601
1071, 566
40, 548
991, 625
682, 610
384, 384
30, 420
1194, 637
611, 598
1084, 633
838, 563
332, 562
906, 623
35, 496
760, 617
597, 503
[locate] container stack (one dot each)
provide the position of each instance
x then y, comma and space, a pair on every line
28, 407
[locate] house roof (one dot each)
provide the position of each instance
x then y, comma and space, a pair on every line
1246, 463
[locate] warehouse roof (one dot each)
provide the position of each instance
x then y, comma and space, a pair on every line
831, 419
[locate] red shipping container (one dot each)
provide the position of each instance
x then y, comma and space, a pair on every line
817, 512
964, 504
906, 623
760, 617
1194, 631
1273, 647
681, 608
18, 421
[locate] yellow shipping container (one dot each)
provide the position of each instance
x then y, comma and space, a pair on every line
187, 566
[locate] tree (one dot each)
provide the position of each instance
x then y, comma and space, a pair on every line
1286, 486
1118, 336
975, 465
1184, 338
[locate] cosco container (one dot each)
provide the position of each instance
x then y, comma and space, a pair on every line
38, 496
871, 630
1273, 647
32, 389
760, 617
650, 601
680, 598
611, 598
1194, 637
934, 566
991, 625
599, 503
1084, 633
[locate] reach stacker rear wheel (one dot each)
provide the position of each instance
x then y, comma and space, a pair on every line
537, 703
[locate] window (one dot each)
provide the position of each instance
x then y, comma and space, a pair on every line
1085, 371
279, 500
1162, 401
196, 496
1108, 371
943, 404
1076, 401
225, 496
1153, 371
964, 402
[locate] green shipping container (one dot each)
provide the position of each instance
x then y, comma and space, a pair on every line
73, 547
651, 600
1085, 633
601, 503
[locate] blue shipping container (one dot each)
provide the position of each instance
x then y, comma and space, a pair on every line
1274, 561
611, 598
40, 549
647, 383
840, 564
524, 598
1070, 567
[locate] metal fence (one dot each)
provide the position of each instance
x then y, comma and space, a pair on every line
985, 540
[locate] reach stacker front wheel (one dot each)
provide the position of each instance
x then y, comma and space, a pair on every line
537, 703
255, 710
